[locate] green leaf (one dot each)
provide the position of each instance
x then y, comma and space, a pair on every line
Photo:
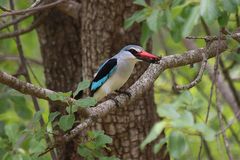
229, 5
183, 100
177, 144
223, 19
191, 21
12, 131
208, 133
85, 102
66, 122
21, 108
176, 34
152, 20
53, 115
177, 2
185, 120
169, 20
154, 133
81, 86
209, 10
4, 105
140, 2
162, 20
37, 116
39, 134
3, 143
85, 152
102, 140
59, 96
176, 11
36, 146
168, 112
159, 145
72, 109
138, 16
145, 35
109, 158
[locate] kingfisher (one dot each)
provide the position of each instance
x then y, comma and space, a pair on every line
114, 72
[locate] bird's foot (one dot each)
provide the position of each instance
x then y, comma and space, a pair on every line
124, 92
112, 97
115, 101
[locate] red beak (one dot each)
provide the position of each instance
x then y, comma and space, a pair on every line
148, 57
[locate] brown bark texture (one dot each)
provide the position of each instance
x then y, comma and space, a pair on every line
72, 49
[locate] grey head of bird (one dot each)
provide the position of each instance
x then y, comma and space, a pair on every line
138, 53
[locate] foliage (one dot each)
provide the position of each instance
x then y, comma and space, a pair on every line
177, 120
92, 148
168, 22
182, 115
66, 122
179, 17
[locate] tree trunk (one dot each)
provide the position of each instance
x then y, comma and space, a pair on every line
72, 50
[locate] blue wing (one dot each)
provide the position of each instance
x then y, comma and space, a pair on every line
104, 72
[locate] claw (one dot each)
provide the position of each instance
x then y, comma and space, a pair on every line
115, 101
124, 92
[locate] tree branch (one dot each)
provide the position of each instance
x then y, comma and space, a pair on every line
18, 32
144, 83
141, 85
69, 7
223, 86
16, 58
33, 9
197, 79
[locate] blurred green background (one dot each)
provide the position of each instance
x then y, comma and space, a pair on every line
165, 23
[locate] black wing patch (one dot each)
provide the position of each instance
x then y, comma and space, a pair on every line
104, 72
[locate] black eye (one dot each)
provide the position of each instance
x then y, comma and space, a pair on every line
133, 51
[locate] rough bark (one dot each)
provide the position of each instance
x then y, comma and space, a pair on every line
72, 51
103, 35
59, 39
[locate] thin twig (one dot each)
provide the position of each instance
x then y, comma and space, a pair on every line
226, 143
36, 3
229, 124
16, 58
34, 9
173, 77
222, 87
69, 136
207, 115
235, 135
235, 36
198, 78
34, 75
207, 149
4, 9
229, 80
208, 32
18, 32
27, 77
15, 21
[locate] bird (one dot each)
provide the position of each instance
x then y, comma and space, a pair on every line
114, 72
